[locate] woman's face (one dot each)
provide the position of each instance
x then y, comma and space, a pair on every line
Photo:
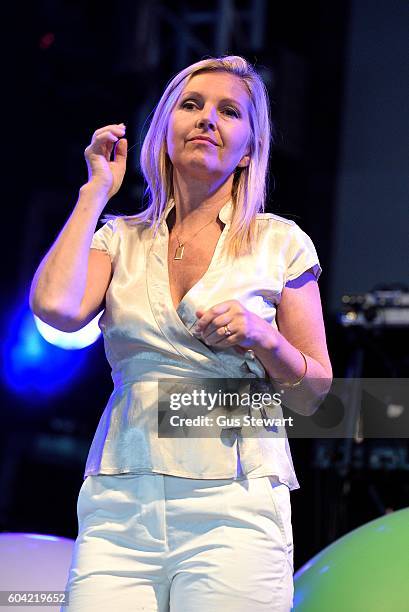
208, 133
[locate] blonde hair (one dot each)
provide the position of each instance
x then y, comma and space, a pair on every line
249, 183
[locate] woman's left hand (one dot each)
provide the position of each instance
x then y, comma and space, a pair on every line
248, 330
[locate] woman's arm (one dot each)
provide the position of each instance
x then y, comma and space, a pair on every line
69, 286
301, 328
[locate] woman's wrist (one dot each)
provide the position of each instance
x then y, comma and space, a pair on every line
282, 361
268, 341
94, 194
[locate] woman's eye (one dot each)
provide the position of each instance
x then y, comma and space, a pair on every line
232, 112
189, 105
228, 110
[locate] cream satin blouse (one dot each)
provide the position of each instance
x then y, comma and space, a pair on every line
147, 339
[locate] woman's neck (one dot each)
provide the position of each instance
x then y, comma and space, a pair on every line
197, 201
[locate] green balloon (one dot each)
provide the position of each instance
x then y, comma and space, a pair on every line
366, 570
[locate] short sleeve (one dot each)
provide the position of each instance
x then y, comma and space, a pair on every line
103, 239
301, 255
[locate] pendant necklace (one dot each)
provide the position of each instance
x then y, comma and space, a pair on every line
180, 249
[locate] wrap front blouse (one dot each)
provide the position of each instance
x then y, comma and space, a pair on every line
147, 339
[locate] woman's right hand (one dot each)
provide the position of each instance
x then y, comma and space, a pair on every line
103, 173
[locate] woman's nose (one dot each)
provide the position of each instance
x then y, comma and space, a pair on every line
207, 119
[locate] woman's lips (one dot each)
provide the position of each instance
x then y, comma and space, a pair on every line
204, 141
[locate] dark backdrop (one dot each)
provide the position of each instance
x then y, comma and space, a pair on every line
70, 67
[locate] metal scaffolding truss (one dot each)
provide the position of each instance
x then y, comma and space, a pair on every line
221, 26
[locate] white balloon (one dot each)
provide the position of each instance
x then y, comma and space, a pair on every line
34, 562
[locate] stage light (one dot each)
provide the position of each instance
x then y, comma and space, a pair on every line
46, 41
73, 340
33, 366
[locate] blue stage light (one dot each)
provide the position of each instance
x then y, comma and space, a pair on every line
73, 340
33, 366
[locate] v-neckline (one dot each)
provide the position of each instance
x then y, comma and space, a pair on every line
176, 323
214, 259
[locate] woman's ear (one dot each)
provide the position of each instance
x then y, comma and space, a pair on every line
245, 160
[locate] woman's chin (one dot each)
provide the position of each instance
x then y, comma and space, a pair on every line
201, 170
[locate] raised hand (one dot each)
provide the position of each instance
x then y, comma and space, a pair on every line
103, 173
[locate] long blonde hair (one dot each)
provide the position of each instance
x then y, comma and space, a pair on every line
249, 183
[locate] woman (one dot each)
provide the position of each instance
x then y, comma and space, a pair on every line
191, 288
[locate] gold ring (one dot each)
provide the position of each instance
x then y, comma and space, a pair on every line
227, 331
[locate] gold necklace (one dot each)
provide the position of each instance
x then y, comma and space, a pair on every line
180, 249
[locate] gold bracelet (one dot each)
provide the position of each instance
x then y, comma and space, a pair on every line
297, 382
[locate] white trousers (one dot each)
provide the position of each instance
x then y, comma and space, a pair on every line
162, 543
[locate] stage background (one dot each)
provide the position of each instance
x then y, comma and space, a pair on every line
337, 78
